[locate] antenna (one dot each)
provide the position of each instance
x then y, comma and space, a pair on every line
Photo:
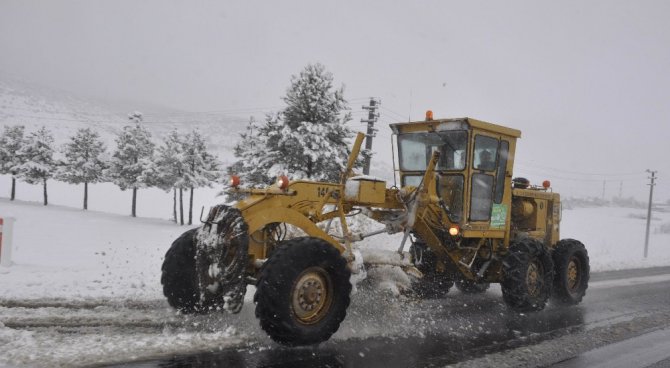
409, 117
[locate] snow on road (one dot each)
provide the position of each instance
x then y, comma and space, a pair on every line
98, 274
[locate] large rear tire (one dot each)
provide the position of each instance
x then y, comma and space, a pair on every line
178, 274
571, 267
528, 274
433, 285
302, 292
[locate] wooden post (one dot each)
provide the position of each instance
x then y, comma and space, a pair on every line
6, 229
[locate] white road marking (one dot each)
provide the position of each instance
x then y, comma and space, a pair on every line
629, 281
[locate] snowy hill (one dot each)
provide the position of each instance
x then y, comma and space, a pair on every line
63, 113
21, 103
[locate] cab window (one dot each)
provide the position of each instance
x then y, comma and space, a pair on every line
481, 200
486, 150
416, 149
411, 180
450, 190
500, 172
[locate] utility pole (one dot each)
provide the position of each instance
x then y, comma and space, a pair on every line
620, 189
651, 195
604, 182
371, 120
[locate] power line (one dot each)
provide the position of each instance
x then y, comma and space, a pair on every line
60, 119
102, 121
57, 111
578, 172
217, 112
240, 110
174, 113
396, 115
575, 179
358, 99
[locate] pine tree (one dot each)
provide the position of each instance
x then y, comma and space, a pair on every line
39, 164
11, 141
201, 168
131, 166
308, 139
314, 122
170, 164
83, 160
251, 167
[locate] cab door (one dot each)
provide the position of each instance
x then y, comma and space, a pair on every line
489, 163
484, 157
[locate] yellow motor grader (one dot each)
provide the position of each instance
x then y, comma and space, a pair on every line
462, 217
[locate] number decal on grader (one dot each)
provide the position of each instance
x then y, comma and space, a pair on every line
321, 191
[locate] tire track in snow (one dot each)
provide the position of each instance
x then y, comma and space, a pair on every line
89, 316
84, 304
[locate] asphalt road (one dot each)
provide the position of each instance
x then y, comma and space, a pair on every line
622, 322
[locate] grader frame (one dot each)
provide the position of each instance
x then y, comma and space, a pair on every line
467, 221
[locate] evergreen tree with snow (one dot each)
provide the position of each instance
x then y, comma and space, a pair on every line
39, 164
250, 166
11, 141
170, 168
308, 139
201, 168
312, 141
131, 166
83, 163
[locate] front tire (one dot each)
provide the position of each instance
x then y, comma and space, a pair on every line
302, 292
178, 274
221, 259
571, 265
528, 274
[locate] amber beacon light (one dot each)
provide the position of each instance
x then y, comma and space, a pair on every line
282, 182
234, 181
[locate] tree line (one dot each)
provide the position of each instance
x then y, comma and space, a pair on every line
308, 139
179, 163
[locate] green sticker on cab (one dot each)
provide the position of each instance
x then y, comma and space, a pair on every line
498, 216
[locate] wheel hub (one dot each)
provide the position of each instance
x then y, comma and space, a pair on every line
311, 295
533, 279
573, 274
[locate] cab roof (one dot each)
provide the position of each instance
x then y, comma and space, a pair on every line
452, 124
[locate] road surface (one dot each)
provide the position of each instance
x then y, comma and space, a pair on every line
624, 321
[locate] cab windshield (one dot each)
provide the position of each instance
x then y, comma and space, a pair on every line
416, 149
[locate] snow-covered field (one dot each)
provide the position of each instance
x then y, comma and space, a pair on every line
73, 268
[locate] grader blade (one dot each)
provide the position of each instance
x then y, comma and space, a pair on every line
392, 270
221, 259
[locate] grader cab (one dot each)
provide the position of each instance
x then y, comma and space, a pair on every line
462, 217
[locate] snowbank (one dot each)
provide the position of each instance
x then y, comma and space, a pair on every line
72, 254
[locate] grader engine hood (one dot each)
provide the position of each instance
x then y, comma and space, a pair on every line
365, 191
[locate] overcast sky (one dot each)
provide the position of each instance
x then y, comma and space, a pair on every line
587, 82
